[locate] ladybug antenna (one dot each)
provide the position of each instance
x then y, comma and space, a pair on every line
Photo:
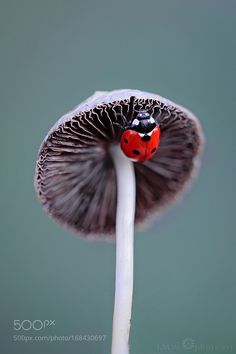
131, 111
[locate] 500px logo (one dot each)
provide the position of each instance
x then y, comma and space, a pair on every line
35, 325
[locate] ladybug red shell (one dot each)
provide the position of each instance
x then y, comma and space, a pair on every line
140, 138
138, 149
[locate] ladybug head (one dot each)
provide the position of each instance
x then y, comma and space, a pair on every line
143, 114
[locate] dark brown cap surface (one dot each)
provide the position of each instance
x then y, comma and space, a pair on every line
75, 178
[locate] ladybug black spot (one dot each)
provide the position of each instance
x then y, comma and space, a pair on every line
125, 140
136, 152
146, 138
153, 150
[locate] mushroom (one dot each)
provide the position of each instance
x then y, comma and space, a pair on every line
87, 184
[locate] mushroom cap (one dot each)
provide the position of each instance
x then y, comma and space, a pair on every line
75, 177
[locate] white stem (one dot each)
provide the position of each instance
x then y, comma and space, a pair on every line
126, 190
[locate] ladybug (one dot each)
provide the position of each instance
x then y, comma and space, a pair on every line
140, 138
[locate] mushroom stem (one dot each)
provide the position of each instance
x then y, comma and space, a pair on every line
126, 190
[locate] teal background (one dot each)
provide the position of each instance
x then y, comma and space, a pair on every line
53, 55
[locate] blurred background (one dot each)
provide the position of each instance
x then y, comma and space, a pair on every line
56, 53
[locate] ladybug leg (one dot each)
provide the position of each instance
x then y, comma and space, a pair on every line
122, 127
118, 125
122, 117
120, 131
